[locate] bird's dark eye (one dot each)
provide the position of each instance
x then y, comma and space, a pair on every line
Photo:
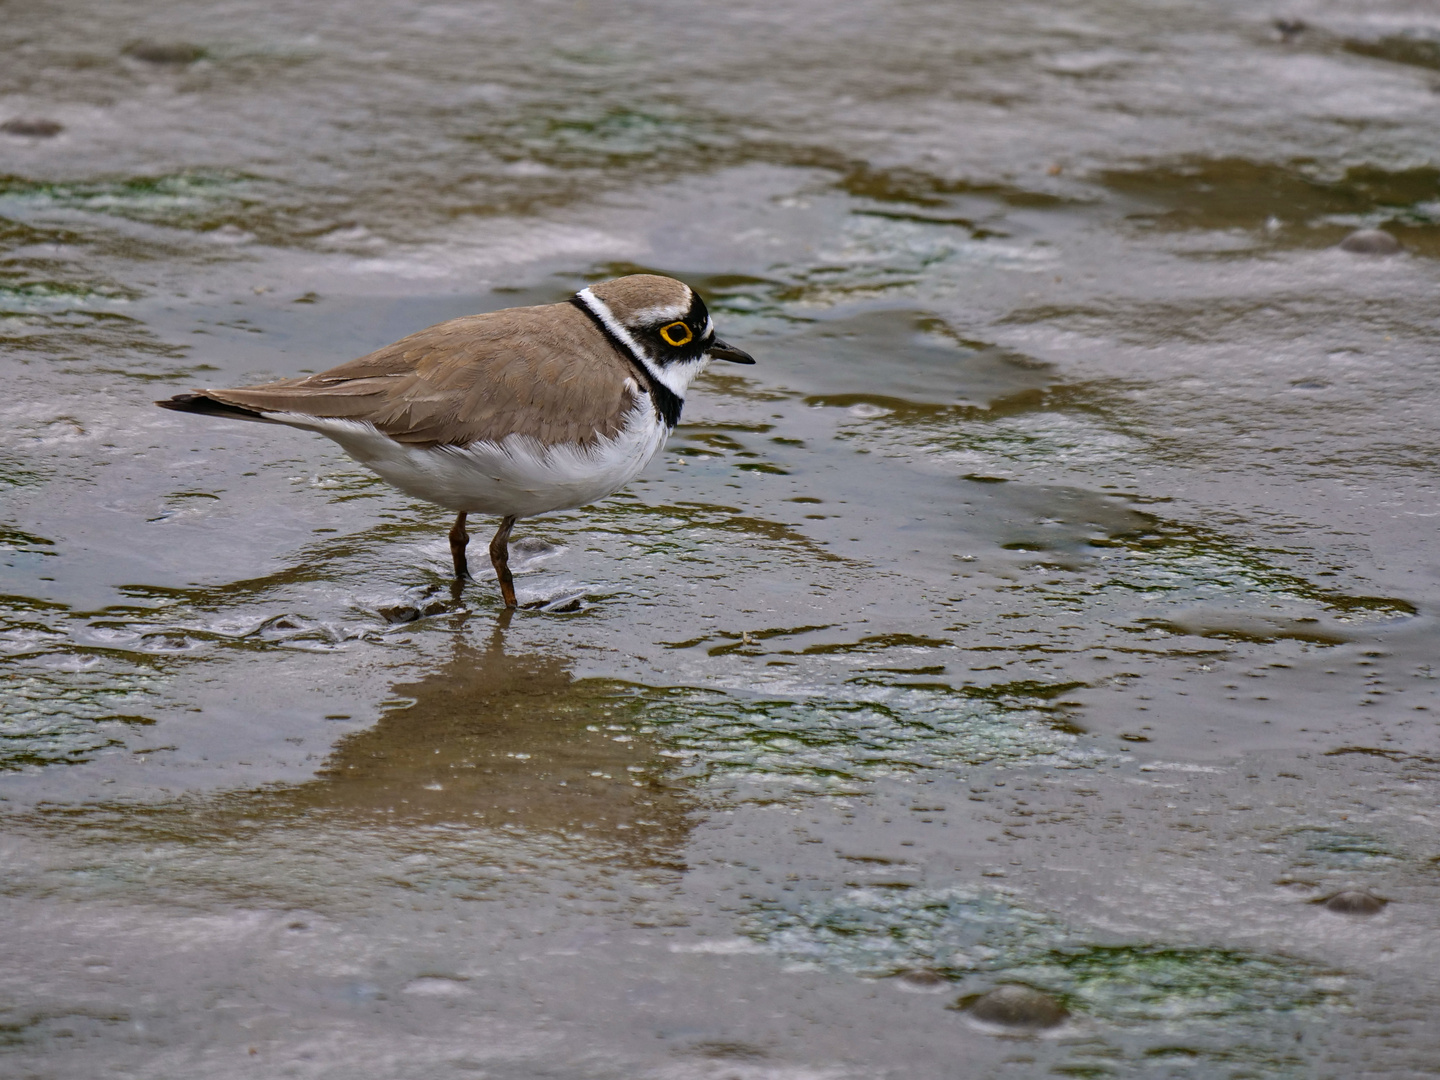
677, 334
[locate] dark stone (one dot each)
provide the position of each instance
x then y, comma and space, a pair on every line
164, 52
1016, 1007
399, 613
33, 128
1371, 242
1289, 28
1355, 902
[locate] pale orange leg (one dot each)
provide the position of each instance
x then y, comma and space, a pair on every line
500, 559
458, 539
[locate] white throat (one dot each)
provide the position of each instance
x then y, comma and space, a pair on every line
674, 377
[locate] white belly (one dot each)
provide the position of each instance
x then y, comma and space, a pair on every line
516, 476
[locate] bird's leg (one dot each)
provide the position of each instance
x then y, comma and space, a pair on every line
458, 539
500, 559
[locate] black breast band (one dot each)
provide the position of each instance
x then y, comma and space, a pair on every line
667, 403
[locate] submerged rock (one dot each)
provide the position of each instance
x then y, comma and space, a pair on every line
1371, 242
32, 127
399, 613
1289, 29
1017, 1007
531, 547
1418, 46
1355, 902
164, 52
922, 980
406, 613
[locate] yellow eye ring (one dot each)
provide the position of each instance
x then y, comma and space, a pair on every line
677, 334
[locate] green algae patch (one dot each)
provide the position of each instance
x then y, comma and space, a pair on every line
597, 137
821, 745
1021, 690
12, 539
983, 937
1220, 193
1341, 849
915, 187
1152, 983
876, 932
192, 200
26, 294
1234, 592
64, 717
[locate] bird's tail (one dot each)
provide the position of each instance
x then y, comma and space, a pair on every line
208, 406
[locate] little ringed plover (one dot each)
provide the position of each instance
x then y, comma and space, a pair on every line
513, 413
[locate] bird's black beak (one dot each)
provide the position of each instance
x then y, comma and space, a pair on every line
720, 351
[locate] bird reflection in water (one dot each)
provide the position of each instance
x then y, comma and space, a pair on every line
511, 742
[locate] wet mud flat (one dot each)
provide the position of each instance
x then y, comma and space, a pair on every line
1028, 668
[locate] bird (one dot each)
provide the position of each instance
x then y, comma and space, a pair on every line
509, 413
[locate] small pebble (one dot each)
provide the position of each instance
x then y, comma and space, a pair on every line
1355, 902
1017, 1007
32, 128
922, 980
436, 986
164, 52
1371, 242
866, 411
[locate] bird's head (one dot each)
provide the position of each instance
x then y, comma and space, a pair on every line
663, 324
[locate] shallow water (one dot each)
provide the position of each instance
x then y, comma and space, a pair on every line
1054, 603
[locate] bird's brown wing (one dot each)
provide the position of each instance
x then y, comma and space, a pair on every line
543, 372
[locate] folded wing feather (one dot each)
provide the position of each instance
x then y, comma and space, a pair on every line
542, 372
